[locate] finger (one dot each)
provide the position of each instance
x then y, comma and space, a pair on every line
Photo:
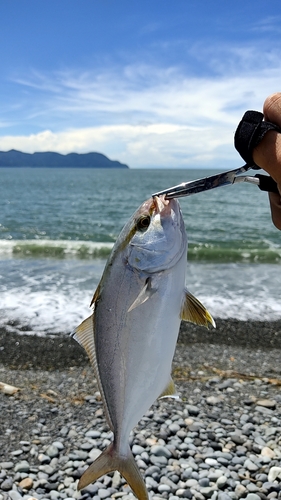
272, 108
267, 155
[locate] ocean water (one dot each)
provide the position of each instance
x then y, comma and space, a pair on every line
57, 227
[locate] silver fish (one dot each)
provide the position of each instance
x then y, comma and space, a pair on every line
131, 336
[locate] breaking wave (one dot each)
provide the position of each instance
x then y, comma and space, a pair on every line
58, 249
219, 252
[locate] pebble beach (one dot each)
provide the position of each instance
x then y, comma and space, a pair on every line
220, 440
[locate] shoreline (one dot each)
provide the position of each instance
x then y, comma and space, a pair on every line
22, 351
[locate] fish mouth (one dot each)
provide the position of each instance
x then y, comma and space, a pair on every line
163, 206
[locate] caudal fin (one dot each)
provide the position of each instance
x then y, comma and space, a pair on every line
110, 461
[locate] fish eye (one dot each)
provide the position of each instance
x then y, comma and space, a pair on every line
143, 223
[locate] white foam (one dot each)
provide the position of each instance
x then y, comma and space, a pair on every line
53, 296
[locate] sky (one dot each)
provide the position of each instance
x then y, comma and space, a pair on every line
151, 83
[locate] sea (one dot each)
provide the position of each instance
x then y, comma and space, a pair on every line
57, 228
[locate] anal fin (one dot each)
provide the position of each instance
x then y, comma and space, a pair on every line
169, 391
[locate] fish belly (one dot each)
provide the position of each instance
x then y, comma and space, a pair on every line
135, 349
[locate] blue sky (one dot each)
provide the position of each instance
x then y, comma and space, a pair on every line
151, 83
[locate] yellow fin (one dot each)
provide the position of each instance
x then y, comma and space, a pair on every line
109, 461
169, 391
146, 292
193, 311
84, 335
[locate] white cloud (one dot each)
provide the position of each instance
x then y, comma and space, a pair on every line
147, 115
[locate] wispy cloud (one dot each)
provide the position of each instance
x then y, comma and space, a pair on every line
146, 115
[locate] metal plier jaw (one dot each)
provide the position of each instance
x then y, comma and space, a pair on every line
250, 131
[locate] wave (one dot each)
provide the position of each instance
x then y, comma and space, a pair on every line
230, 252
58, 249
235, 253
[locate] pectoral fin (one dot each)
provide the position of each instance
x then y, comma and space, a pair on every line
193, 311
146, 292
169, 391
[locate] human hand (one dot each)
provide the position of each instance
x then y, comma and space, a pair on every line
267, 154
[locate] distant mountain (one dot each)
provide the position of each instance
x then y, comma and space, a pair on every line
15, 158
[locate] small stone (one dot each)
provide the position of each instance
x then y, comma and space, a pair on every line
221, 482
15, 495
137, 449
274, 473
44, 459
192, 410
174, 428
22, 466
211, 461
252, 488
47, 469
164, 488
204, 482
7, 484
267, 452
26, 483
250, 465
104, 493
93, 434
213, 400
94, 453
207, 492
6, 465
59, 445
252, 496
16, 453
160, 451
52, 451
158, 460
266, 403
240, 490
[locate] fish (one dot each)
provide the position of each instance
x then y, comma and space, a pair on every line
132, 333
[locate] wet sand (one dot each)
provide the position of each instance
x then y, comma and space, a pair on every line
61, 351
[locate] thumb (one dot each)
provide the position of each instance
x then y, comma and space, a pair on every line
272, 109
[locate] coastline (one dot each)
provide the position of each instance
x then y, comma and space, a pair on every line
21, 351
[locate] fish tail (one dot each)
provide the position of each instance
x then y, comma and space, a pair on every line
110, 461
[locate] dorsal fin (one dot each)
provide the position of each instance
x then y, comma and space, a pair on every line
193, 311
84, 335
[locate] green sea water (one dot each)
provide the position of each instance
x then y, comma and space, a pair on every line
57, 227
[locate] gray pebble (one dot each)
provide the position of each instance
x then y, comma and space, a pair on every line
221, 482
104, 493
52, 451
158, 460
22, 466
160, 451
250, 465
7, 484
